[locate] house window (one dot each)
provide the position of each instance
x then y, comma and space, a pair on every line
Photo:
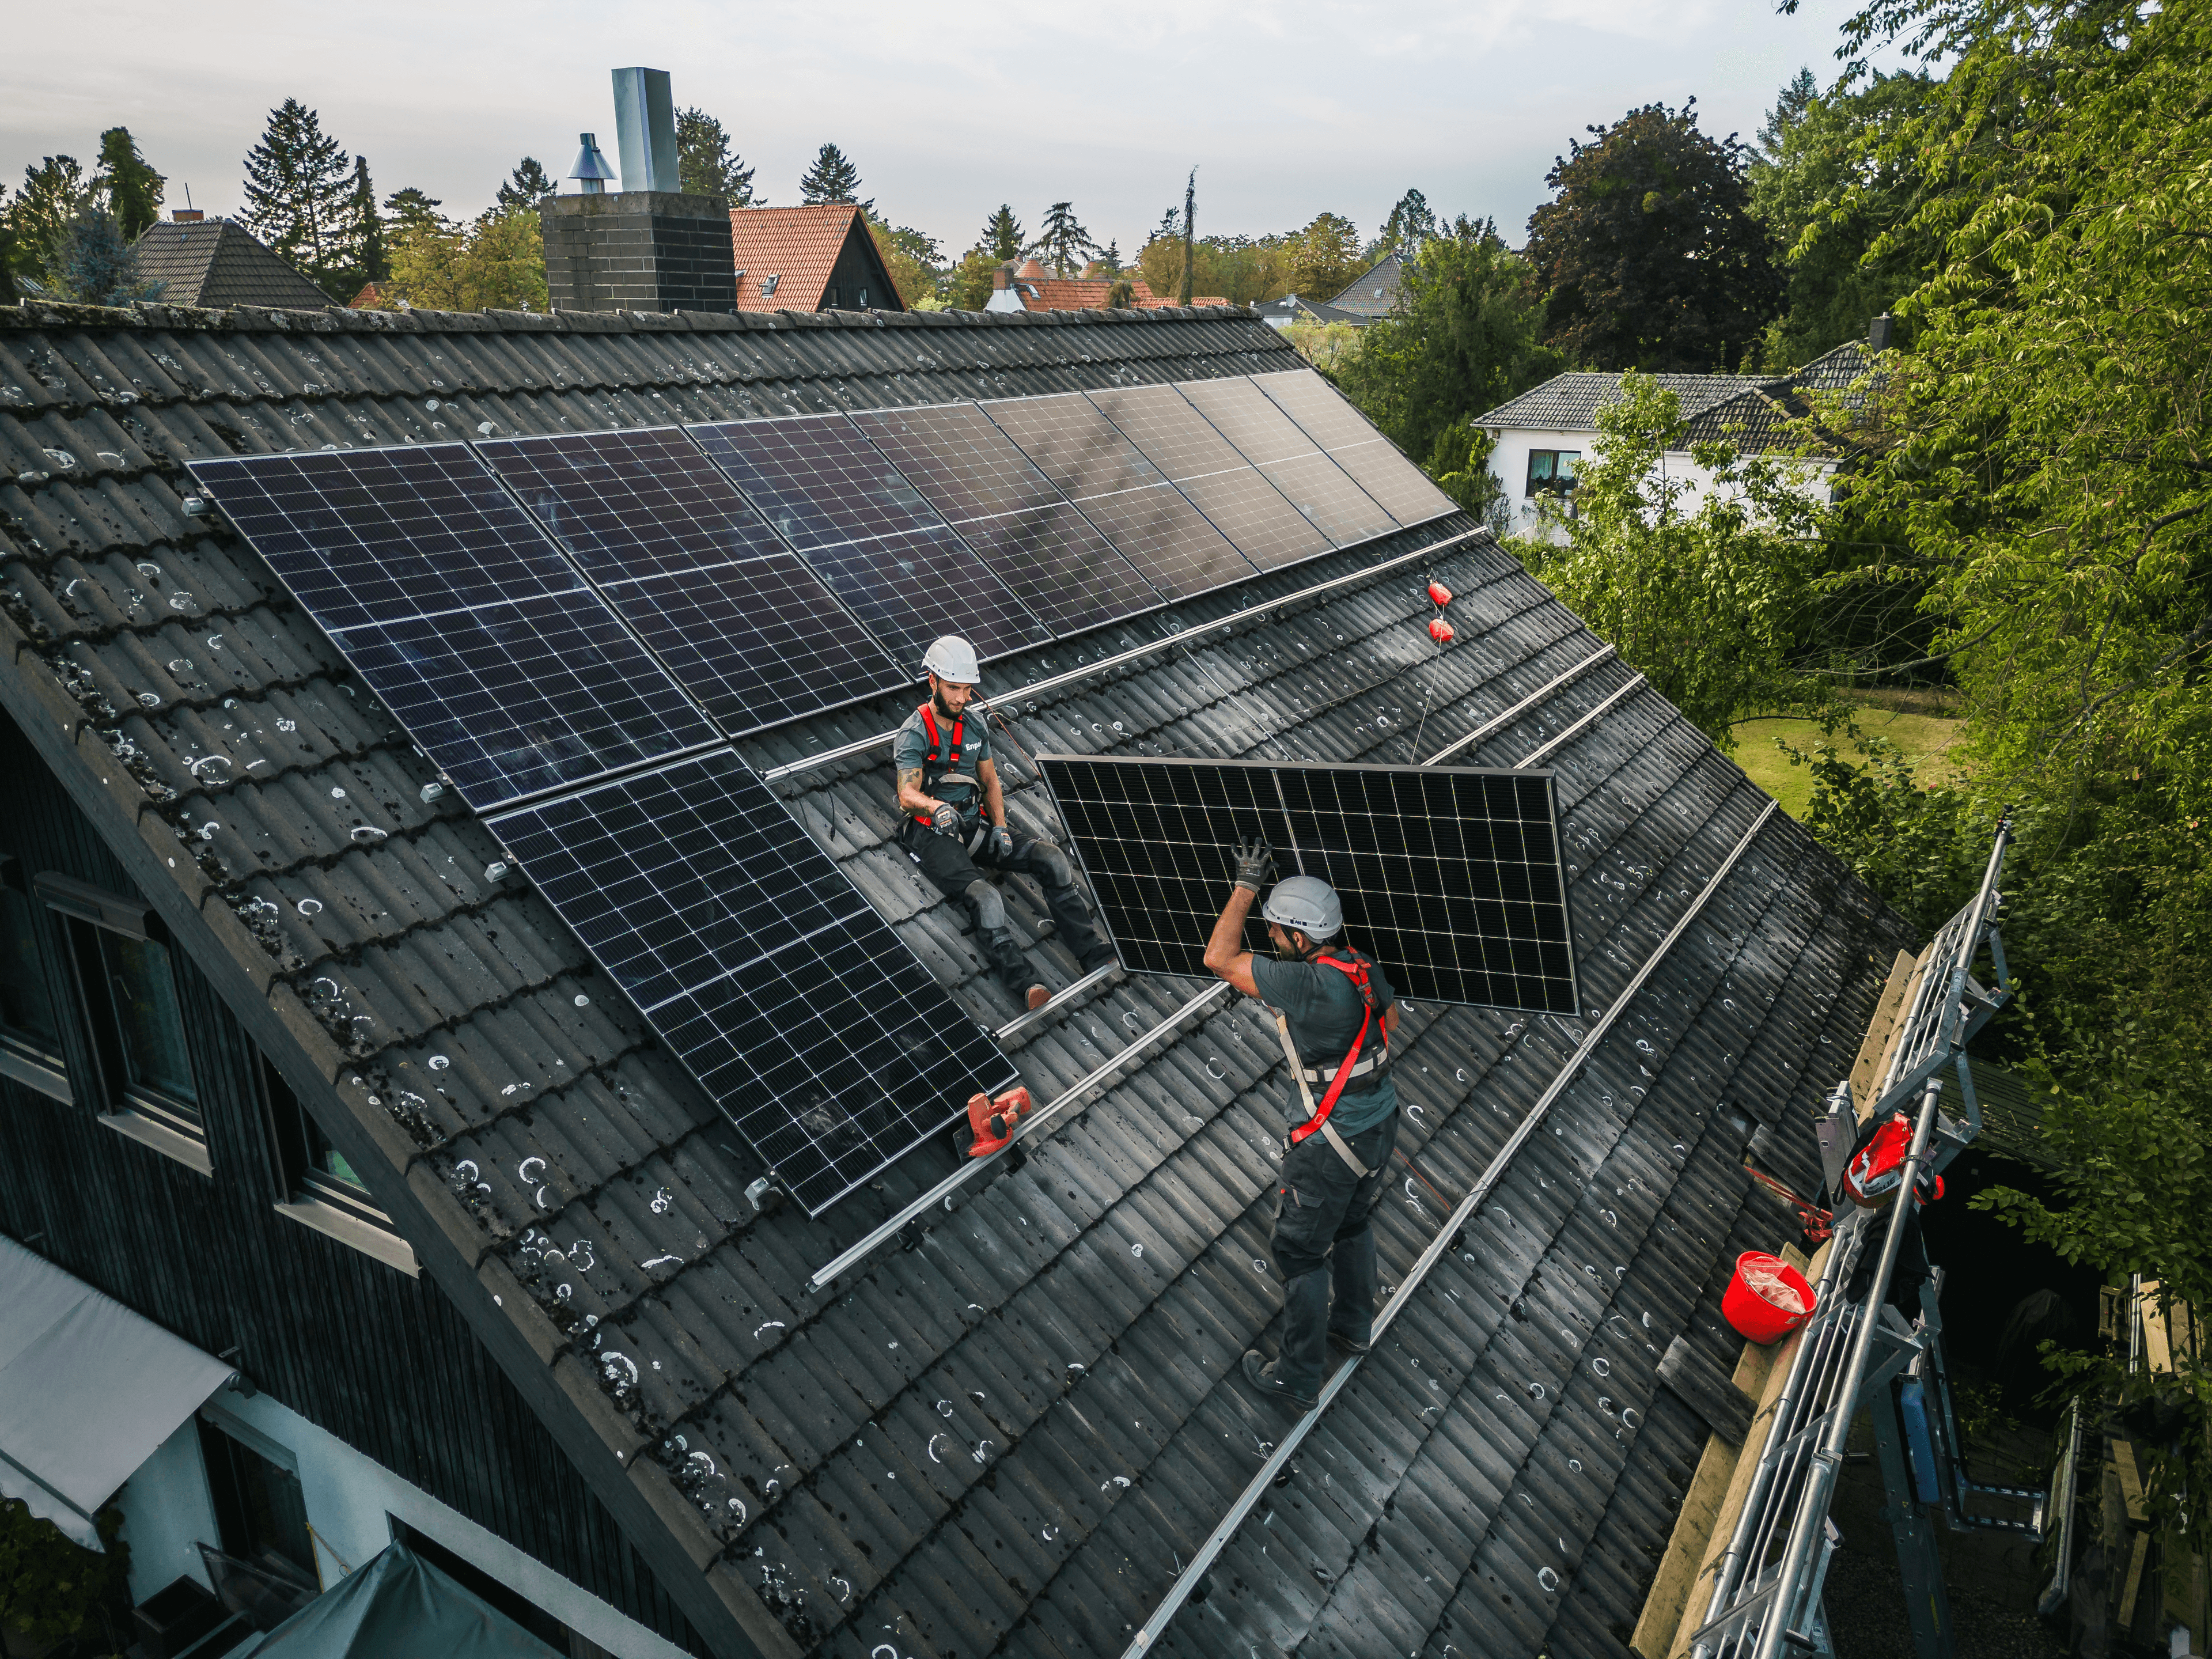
259, 1509
30, 1029
829, 297
1552, 471
862, 300
769, 285
318, 1185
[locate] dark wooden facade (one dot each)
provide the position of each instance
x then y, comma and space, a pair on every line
383, 1361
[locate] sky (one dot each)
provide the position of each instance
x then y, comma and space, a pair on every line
1287, 107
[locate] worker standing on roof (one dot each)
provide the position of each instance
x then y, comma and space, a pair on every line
1336, 1011
954, 824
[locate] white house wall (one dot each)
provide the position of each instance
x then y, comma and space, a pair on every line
1508, 465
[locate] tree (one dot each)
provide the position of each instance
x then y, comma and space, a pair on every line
94, 265
52, 1588
372, 255
1828, 182
53, 193
296, 195
968, 287
1463, 339
1663, 583
1002, 234
1189, 230
128, 184
1649, 255
910, 275
1320, 259
1410, 223
704, 163
832, 178
496, 262
9, 294
413, 213
1109, 257
1063, 242
528, 186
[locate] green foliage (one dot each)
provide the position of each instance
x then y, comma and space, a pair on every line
1410, 223
95, 266
1319, 260
1002, 236
910, 275
53, 193
527, 186
1462, 340
127, 183
1329, 347
1648, 254
704, 165
495, 262
1063, 243
969, 287
298, 199
1667, 585
411, 212
831, 177
1459, 463
52, 1589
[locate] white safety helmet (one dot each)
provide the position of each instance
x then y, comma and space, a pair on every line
952, 658
1305, 904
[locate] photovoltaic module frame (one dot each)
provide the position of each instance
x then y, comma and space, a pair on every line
1450, 876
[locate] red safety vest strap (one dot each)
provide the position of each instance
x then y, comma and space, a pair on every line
936, 747
1355, 971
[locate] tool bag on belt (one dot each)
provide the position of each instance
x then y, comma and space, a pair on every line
942, 765
1876, 1170
1317, 1121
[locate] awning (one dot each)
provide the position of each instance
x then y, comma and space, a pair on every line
88, 1390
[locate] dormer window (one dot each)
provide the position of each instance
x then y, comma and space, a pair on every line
768, 285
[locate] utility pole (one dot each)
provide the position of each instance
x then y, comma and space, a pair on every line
1189, 213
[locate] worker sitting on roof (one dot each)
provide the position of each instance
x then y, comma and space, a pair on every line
1333, 1007
954, 819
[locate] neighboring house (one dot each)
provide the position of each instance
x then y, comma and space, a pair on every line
216, 262
299, 1070
1030, 287
368, 299
1373, 292
1544, 434
1295, 308
809, 259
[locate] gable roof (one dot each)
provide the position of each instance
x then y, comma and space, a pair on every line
216, 262
1762, 417
800, 246
1048, 293
1375, 290
1011, 1425
1293, 307
1570, 402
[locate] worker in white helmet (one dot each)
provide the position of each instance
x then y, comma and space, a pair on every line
1336, 1011
953, 824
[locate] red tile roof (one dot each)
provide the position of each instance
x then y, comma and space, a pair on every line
1092, 293
797, 247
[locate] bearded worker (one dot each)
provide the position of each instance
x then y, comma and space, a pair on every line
953, 825
1335, 1010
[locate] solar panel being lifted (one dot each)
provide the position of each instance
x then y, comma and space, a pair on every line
872, 536
736, 616
1273, 443
1013, 516
513, 676
1198, 461
1374, 462
829, 1046
1449, 875
1123, 493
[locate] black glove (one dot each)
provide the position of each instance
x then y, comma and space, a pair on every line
999, 842
945, 819
1255, 858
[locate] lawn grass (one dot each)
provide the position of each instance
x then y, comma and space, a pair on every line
1917, 724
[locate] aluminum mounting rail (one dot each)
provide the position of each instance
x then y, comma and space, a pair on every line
1034, 1124
1188, 635
1544, 752
1278, 1460
1492, 727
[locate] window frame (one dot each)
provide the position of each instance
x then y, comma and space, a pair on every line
312, 1197
23, 1058
1551, 484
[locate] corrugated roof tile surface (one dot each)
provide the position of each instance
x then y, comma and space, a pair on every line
1006, 1431
214, 262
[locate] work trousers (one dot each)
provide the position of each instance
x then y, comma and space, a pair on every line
957, 870
1324, 1232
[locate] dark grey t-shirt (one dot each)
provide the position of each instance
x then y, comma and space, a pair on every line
1323, 1008
910, 746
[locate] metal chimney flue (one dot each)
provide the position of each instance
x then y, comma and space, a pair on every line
591, 167
645, 131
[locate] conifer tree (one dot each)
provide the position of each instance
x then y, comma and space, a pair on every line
372, 255
8, 293
52, 193
527, 186
1410, 223
410, 213
704, 164
833, 177
93, 265
131, 186
1189, 233
1002, 234
297, 192
1062, 242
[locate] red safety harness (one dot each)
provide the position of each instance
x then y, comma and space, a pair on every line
932, 771
1355, 969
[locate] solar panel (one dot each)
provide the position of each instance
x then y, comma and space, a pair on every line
1202, 463
871, 535
1449, 877
738, 618
513, 675
1013, 516
1077, 447
1374, 462
830, 1048
1272, 442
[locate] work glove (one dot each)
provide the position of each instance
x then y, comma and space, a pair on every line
1000, 843
946, 819
1254, 860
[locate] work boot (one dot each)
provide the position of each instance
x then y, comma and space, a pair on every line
1302, 1359
1014, 969
1351, 1320
1265, 1377
1093, 950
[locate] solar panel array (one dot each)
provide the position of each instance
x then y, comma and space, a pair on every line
1449, 875
572, 628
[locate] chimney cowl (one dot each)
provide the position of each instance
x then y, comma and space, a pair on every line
591, 165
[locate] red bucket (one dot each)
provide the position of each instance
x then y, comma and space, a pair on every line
1766, 1298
